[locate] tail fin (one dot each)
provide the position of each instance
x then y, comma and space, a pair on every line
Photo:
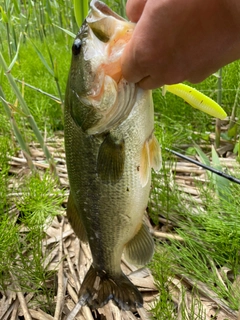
98, 288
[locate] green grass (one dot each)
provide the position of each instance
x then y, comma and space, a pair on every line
210, 237
22, 254
210, 242
29, 69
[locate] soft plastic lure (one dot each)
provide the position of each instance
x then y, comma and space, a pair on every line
196, 99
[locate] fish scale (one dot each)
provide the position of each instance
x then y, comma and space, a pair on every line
110, 148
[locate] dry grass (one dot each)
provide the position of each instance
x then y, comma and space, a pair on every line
71, 258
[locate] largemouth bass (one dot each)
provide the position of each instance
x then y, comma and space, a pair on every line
110, 149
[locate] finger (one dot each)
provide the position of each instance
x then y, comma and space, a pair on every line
130, 69
148, 83
199, 75
134, 67
134, 9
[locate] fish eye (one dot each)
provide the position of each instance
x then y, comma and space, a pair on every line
76, 47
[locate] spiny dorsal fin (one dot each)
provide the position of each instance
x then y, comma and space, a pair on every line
75, 221
140, 249
111, 158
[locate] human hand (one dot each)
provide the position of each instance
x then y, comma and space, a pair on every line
177, 40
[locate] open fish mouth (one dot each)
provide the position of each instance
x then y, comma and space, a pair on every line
109, 37
103, 37
102, 10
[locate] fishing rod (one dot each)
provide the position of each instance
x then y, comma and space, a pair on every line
218, 172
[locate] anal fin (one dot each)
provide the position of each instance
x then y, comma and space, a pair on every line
140, 248
75, 220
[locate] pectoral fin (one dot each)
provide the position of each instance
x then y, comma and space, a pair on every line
155, 153
144, 169
150, 158
140, 249
111, 158
75, 220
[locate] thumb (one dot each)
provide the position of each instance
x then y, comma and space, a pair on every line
130, 69
134, 9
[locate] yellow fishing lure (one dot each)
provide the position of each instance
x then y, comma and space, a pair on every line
196, 99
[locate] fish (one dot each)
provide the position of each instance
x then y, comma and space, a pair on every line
110, 149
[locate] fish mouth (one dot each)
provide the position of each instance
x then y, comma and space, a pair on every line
113, 32
103, 10
103, 44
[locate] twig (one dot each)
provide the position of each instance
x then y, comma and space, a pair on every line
87, 312
15, 310
40, 315
72, 293
21, 298
60, 292
202, 288
71, 267
36, 163
5, 313
74, 311
57, 238
143, 314
165, 235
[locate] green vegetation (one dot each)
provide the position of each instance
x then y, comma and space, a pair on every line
37, 53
